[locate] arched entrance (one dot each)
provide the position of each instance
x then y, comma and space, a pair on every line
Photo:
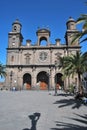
58, 80
43, 80
27, 81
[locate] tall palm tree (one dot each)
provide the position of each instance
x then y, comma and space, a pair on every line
2, 70
83, 33
75, 64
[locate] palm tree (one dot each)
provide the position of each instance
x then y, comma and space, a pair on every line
83, 33
2, 70
74, 64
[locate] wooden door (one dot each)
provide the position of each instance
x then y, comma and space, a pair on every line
43, 86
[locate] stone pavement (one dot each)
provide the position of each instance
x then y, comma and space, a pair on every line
41, 110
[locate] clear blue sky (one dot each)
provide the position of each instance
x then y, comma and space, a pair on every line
38, 13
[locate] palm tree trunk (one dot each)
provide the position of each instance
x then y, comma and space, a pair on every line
79, 82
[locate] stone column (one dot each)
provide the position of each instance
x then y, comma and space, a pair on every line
34, 56
52, 78
33, 78
20, 57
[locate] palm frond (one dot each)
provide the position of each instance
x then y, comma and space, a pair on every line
85, 26
76, 37
83, 40
84, 15
81, 19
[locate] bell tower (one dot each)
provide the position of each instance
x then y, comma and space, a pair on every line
16, 26
71, 30
15, 37
43, 34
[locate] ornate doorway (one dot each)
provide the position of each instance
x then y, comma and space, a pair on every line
27, 81
43, 80
58, 80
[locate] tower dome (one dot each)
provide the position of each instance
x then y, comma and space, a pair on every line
16, 26
71, 24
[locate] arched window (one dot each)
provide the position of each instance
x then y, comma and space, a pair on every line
15, 28
27, 58
12, 58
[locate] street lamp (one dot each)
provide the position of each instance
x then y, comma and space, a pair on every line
56, 64
11, 74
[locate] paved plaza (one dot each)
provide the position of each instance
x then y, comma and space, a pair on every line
41, 110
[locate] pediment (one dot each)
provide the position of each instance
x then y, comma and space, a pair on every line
43, 30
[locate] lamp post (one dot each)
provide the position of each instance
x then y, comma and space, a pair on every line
55, 78
11, 74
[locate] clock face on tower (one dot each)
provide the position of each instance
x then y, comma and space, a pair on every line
43, 56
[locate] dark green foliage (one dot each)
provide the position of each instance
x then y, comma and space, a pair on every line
2, 70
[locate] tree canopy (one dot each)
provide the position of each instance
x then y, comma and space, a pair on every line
2, 70
74, 64
81, 35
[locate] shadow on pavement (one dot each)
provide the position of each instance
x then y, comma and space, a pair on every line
69, 126
71, 101
34, 118
64, 94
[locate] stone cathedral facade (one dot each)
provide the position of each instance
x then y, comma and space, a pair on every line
32, 66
